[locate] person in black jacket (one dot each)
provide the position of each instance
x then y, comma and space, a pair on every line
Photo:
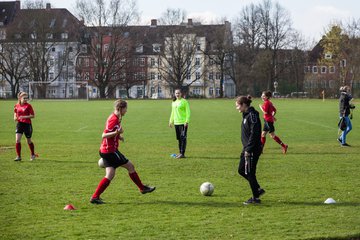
344, 110
252, 147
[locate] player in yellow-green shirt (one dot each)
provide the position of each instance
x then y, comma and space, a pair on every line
180, 118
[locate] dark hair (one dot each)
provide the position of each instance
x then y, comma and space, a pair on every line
267, 93
174, 97
244, 100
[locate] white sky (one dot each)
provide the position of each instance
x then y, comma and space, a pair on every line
310, 17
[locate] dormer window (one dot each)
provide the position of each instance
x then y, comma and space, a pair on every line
328, 56
49, 36
139, 49
156, 48
64, 36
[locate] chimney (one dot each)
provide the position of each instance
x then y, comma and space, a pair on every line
17, 5
190, 22
153, 22
48, 6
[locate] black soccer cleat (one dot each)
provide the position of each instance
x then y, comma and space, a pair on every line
253, 201
17, 159
96, 201
261, 191
345, 145
147, 189
339, 140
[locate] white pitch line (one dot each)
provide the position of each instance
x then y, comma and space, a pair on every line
316, 124
82, 128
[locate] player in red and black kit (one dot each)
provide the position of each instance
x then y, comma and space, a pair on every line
112, 157
23, 112
269, 118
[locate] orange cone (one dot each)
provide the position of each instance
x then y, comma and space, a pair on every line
69, 207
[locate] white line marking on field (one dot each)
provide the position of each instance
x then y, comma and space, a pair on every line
316, 124
82, 128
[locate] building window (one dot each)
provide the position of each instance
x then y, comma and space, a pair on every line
188, 75
197, 75
87, 62
33, 36
197, 61
217, 75
343, 63
315, 69
156, 48
83, 48
49, 36
139, 49
159, 76
211, 61
211, 91
196, 91
152, 62
51, 76
198, 46
332, 69
152, 76
159, 90
87, 76
211, 75
328, 55
217, 91
306, 69
142, 61
106, 47
323, 69
64, 36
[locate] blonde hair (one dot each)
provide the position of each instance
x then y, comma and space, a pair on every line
119, 104
20, 95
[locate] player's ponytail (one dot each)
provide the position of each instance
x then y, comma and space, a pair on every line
268, 94
244, 100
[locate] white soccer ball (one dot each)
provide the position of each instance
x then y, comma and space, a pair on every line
207, 189
101, 163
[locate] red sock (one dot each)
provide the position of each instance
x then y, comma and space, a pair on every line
18, 149
263, 141
277, 139
32, 148
104, 183
135, 178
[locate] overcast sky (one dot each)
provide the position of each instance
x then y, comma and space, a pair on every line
310, 17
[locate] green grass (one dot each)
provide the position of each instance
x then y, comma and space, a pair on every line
67, 136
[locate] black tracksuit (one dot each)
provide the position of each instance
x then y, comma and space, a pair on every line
250, 138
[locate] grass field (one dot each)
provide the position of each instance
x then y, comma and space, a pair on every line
67, 136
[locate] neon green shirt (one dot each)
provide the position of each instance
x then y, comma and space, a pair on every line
180, 112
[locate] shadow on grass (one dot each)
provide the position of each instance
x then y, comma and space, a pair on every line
349, 237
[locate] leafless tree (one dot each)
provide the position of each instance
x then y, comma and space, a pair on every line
178, 62
108, 40
173, 16
13, 65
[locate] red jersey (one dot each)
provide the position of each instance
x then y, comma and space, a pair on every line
269, 110
109, 145
23, 110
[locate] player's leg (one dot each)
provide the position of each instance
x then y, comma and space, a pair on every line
103, 184
18, 146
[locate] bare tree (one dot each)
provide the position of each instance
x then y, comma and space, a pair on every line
13, 65
109, 42
178, 62
173, 16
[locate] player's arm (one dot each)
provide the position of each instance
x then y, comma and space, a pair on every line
261, 108
15, 117
111, 134
171, 120
28, 116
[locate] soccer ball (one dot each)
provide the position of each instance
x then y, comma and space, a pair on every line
207, 189
101, 163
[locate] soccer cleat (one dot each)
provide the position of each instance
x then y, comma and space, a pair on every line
253, 201
339, 140
33, 157
180, 156
261, 191
345, 145
147, 189
284, 149
96, 201
18, 158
